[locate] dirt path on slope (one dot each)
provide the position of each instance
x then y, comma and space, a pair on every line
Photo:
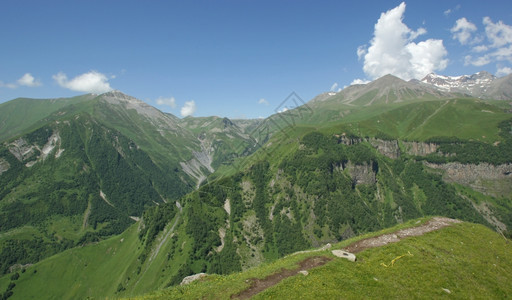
259, 285
381, 240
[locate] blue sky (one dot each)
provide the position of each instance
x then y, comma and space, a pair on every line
240, 59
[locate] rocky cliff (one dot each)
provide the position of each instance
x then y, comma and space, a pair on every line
485, 178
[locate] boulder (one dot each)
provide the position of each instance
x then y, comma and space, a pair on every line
343, 254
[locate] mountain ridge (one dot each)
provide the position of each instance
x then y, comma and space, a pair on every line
255, 190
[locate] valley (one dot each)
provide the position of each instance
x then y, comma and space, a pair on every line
107, 196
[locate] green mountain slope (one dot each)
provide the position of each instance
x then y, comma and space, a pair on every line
320, 173
463, 261
19, 115
466, 259
71, 182
81, 169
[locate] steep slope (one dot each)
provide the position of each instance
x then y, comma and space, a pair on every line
500, 89
221, 140
83, 168
463, 260
312, 178
70, 182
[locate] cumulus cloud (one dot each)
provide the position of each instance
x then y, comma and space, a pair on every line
263, 101
504, 71
28, 80
462, 31
91, 82
393, 51
188, 109
171, 102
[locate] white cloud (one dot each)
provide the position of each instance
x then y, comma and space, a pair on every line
499, 47
480, 48
188, 109
449, 11
8, 85
359, 81
91, 82
462, 31
171, 102
504, 53
282, 110
334, 87
28, 80
499, 34
392, 50
263, 101
361, 51
477, 62
503, 71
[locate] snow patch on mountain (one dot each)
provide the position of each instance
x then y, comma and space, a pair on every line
474, 85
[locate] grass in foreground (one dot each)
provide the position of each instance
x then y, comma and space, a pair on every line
463, 260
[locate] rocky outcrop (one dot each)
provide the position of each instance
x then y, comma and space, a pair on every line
485, 178
22, 150
4, 165
362, 174
202, 160
347, 140
192, 278
386, 148
31, 154
420, 148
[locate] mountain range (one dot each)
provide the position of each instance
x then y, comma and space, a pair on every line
97, 175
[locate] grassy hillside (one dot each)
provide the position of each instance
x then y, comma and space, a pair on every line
463, 118
20, 114
311, 180
463, 261
71, 182
467, 259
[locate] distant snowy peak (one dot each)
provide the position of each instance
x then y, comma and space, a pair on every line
475, 85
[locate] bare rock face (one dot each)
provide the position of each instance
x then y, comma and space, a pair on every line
22, 150
4, 166
420, 148
362, 174
485, 178
386, 148
346, 140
